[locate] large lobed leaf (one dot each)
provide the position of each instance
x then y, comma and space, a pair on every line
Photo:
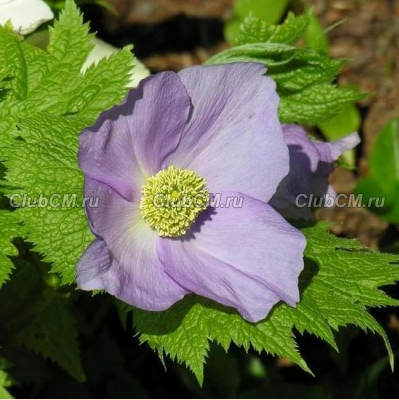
45, 103
46, 165
340, 281
48, 102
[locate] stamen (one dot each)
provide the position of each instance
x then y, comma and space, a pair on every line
172, 199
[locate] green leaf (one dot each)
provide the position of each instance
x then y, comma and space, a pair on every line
41, 77
306, 68
8, 231
46, 164
270, 54
384, 159
5, 380
316, 103
36, 316
383, 180
269, 11
340, 281
40, 125
4, 393
183, 333
53, 78
342, 124
315, 36
95, 91
12, 60
293, 69
255, 30
70, 44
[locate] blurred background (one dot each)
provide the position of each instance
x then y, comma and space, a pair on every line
173, 34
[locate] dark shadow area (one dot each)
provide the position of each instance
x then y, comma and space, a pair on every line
177, 34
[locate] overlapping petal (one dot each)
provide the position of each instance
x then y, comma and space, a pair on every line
248, 258
134, 273
311, 163
93, 266
233, 137
130, 141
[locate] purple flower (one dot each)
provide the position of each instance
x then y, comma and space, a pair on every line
206, 130
311, 163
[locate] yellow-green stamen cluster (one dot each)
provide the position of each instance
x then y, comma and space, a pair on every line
172, 199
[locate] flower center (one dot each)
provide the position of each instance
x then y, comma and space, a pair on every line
172, 200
